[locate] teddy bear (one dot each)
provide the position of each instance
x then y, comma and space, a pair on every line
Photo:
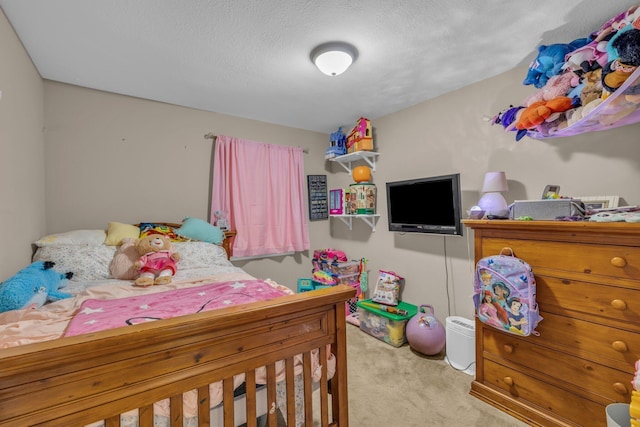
592, 88
33, 286
157, 263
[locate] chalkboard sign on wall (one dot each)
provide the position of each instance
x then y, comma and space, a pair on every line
317, 189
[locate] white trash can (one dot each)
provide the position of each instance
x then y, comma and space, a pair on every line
618, 415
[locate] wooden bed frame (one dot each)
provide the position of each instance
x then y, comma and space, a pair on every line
79, 380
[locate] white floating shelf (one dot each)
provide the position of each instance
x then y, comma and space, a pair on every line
348, 220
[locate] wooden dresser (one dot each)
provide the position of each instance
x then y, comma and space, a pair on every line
588, 292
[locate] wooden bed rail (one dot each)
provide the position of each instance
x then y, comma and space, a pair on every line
80, 380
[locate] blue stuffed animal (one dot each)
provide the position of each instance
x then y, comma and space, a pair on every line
33, 286
550, 60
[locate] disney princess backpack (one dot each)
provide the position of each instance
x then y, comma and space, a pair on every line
505, 294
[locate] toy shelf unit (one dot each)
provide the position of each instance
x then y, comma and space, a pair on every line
618, 109
370, 220
347, 160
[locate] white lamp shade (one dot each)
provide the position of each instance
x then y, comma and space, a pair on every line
333, 58
495, 181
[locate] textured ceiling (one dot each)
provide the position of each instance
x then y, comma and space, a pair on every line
250, 58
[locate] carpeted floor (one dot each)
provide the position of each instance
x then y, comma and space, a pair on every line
391, 386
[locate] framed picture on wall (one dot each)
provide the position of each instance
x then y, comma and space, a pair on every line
317, 190
599, 202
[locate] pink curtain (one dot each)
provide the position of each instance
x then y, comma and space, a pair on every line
261, 187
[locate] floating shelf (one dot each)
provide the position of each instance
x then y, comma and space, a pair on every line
346, 160
621, 108
348, 220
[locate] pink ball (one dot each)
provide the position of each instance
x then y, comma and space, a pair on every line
425, 333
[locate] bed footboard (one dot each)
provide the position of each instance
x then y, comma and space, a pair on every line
85, 379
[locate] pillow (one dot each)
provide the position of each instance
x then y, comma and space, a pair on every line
117, 231
198, 229
148, 228
87, 262
75, 237
122, 265
200, 255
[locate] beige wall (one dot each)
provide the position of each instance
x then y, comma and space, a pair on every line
117, 158
451, 134
103, 152
22, 197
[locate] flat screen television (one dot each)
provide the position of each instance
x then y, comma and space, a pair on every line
425, 205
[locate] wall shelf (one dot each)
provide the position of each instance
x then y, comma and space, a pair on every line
346, 160
348, 220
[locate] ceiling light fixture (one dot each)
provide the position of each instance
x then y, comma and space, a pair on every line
334, 58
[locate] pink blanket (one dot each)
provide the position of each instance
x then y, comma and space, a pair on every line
99, 314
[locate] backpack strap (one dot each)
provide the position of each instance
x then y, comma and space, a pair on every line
507, 251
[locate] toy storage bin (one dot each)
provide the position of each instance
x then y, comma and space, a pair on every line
344, 268
387, 327
348, 279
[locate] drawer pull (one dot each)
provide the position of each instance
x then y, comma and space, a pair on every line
619, 262
620, 388
618, 304
508, 348
508, 381
619, 346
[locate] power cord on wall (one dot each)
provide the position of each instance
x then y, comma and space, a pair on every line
446, 275
472, 269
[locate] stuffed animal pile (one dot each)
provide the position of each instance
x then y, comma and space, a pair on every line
574, 78
158, 262
33, 286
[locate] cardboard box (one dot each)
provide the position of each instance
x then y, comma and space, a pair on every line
387, 327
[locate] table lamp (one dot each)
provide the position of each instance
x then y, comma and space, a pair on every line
492, 202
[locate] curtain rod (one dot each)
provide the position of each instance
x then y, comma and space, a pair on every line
213, 137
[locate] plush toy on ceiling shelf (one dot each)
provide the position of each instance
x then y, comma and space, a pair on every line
542, 116
33, 286
617, 71
549, 61
597, 52
592, 88
158, 262
507, 118
558, 85
538, 112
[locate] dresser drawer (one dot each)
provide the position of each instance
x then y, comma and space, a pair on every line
563, 403
584, 258
567, 295
566, 369
617, 347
